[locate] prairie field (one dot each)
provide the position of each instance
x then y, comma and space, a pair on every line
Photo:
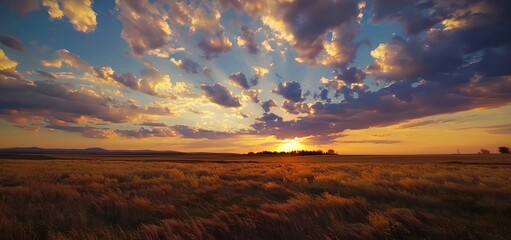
65, 196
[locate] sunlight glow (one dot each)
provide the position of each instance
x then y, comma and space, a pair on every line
288, 145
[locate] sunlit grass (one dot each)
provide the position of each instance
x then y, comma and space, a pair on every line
267, 199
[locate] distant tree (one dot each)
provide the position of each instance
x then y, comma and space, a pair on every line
251, 153
484, 151
504, 150
331, 152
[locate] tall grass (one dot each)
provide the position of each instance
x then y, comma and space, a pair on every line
166, 200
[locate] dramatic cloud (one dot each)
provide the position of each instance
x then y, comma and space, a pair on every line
220, 95
187, 64
214, 44
79, 13
402, 59
55, 102
12, 42
291, 91
267, 105
305, 25
247, 39
144, 29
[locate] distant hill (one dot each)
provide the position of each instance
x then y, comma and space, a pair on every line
95, 150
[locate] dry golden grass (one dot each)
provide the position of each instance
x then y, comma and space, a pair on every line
318, 197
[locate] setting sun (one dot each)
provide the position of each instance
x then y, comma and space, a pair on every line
288, 145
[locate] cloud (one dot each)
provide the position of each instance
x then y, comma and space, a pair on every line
412, 15
47, 74
51, 63
214, 44
198, 133
208, 73
187, 64
252, 94
239, 80
153, 82
291, 91
68, 58
220, 95
12, 42
405, 59
153, 124
5, 62
296, 107
144, 28
494, 129
22, 6
415, 124
375, 141
79, 13
247, 39
267, 105
56, 102
307, 25
146, 133
260, 71
86, 131
195, 15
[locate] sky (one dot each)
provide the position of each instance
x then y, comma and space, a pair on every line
359, 77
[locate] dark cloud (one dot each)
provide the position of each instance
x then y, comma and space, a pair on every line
267, 105
350, 75
239, 80
413, 15
248, 40
296, 107
22, 6
322, 95
291, 91
52, 101
47, 74
214, 44
12, 42
220, 95
409, 59
187, 64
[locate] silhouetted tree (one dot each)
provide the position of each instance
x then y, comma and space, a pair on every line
504, 150
484, 151
331, 151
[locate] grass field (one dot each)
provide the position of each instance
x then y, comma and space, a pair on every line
255, 197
